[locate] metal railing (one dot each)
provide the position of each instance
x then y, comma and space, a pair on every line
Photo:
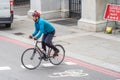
21, 2
75, 9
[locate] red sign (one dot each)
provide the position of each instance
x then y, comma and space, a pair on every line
112, 12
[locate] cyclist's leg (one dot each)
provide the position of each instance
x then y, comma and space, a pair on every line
43, 42
48, 41
44, 46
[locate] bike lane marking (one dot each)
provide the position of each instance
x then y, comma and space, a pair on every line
80, 63
70, 63
5, 68
69, 73
15, 42
94, 67
50, 65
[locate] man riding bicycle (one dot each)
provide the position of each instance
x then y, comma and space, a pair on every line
43, 27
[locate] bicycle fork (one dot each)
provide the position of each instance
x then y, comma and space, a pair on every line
33, 54
35, 49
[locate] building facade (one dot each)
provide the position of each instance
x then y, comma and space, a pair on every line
21, 2
88, 12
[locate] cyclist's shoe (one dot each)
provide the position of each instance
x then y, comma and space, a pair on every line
43, 54
45, 58
56, 53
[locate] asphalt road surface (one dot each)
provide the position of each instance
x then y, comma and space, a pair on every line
71, 69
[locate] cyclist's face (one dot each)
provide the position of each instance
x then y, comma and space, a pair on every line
35, 18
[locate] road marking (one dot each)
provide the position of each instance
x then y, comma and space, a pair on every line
30, 66
69, 73
80, 63
5, 68
47, 65
22, 66
15, 42
50, 65
70, 63
94, 67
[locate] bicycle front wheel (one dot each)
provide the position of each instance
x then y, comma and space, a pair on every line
31, 58
57, 59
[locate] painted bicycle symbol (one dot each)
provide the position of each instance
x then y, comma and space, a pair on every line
69, 73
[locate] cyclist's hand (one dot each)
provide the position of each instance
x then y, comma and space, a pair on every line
35, 38
30, 36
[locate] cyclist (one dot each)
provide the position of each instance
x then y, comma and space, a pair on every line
43, 27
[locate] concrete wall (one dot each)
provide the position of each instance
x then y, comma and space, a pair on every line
64, 8
50, 8
92, 15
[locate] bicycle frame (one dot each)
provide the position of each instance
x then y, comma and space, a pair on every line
36, 55
36, 47
40, 51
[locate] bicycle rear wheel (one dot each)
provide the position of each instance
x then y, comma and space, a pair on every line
57, 59
31, 58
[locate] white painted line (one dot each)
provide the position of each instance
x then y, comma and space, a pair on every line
69, 73
5, 68
47, 65
30, 66
70, 63
22, 66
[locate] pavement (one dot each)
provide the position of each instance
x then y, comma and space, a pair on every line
97, 48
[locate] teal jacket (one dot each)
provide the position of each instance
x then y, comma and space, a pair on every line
42, 27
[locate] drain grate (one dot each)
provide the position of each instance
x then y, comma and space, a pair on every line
18, 33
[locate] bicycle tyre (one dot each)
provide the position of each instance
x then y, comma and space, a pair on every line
28, 62
57, 59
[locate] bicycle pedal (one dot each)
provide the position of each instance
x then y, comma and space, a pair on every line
45, 58
39, 58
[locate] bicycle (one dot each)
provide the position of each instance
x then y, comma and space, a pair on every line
31, 58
